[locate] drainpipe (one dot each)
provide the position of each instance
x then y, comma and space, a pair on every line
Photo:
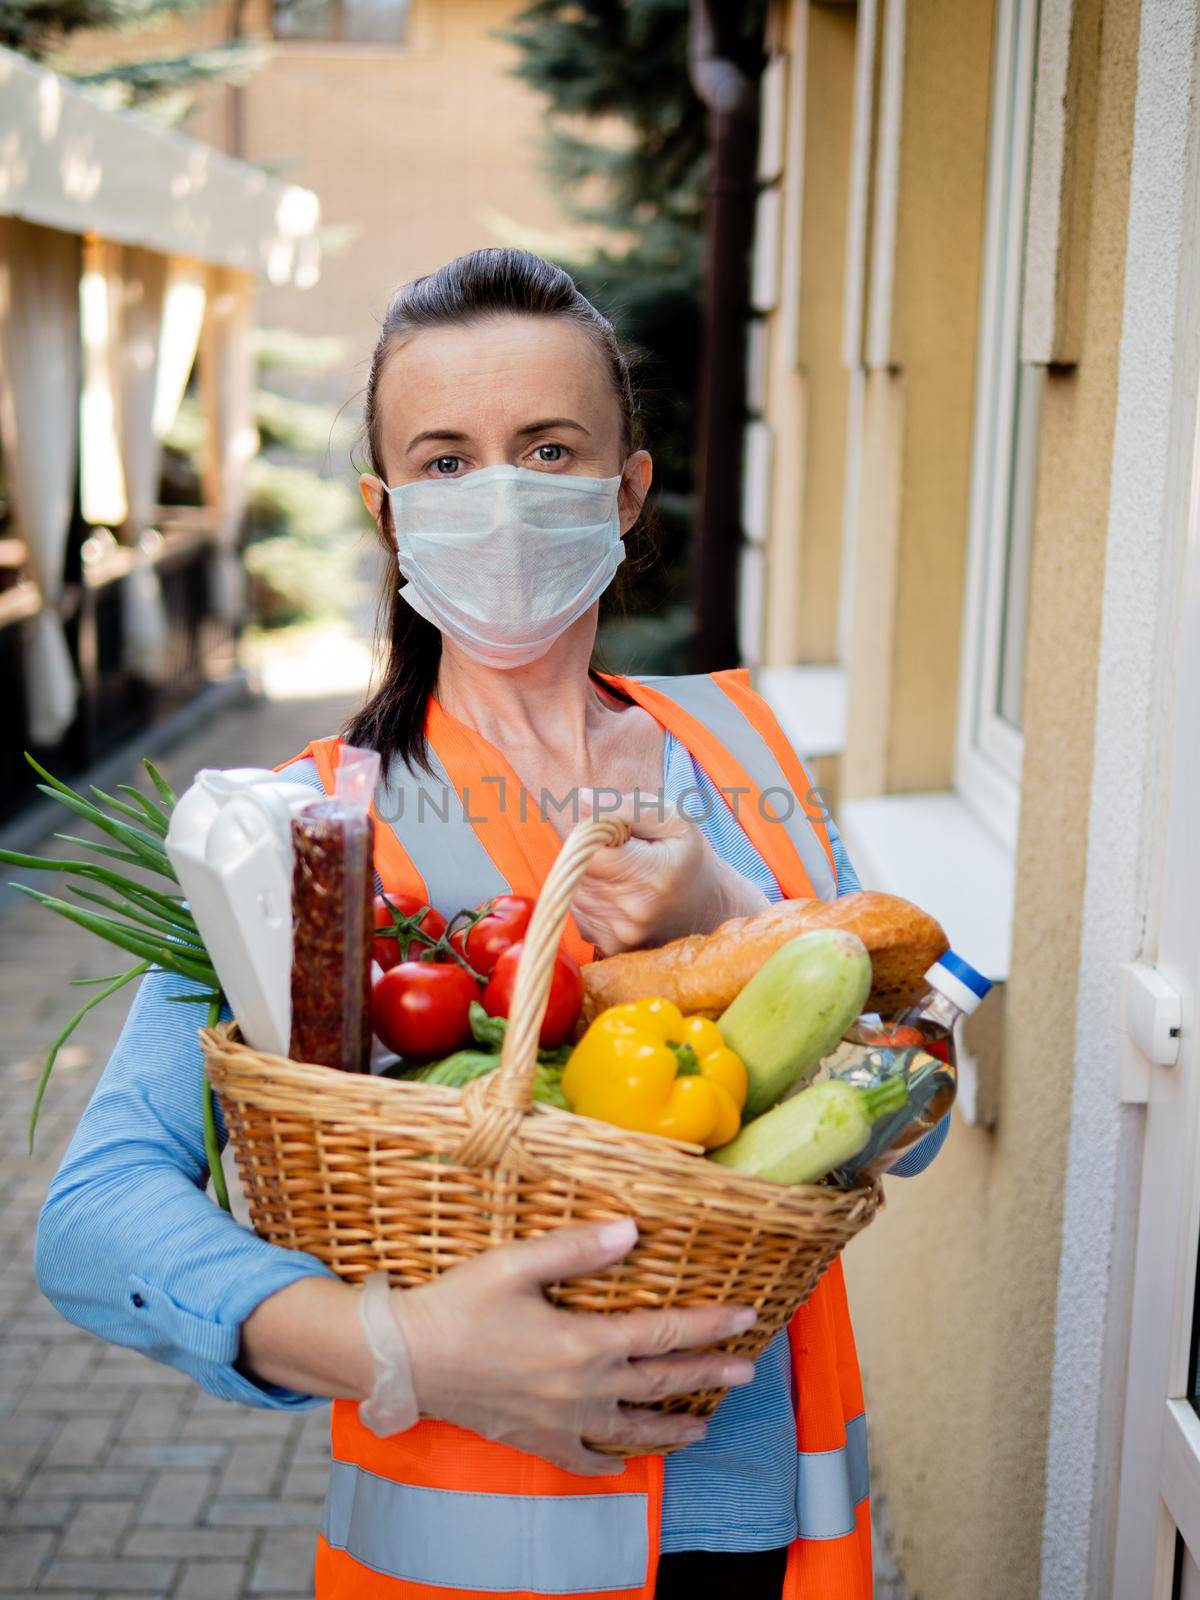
235, 121
730, 95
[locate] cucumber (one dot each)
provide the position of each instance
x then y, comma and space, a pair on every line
805, 1138
794, 1010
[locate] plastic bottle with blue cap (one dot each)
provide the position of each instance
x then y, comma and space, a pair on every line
917, 1045
953, 989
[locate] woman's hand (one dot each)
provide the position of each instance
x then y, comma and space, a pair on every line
490, 1353
662, 883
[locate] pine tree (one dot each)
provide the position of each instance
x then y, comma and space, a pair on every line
163, 84
626, 144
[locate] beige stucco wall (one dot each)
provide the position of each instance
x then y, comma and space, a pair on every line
417, 156
953, 1290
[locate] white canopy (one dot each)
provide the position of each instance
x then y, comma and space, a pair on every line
69, 163
123, 246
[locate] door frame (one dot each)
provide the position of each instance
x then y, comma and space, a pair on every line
1159, 1439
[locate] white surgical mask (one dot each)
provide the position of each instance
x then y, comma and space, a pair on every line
504, 559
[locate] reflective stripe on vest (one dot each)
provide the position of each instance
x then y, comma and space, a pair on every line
500, 1543
705, 700
426, 813
831, 1484
549, 1544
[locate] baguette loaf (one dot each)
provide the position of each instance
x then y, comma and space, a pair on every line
703, 973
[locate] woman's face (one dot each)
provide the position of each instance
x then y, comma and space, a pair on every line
523, 391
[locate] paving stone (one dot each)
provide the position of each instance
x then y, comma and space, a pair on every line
97, 1528
135, 1372
167, 1455
29, 1430
176, 1499
42, 1400
18, 1353
35, 1511
256, 1513
211, 1580
219, 1427
71, 1365
154, 1417
107, 1577
305, 1481
284, 1564
253, 1467
22, 1556
109, 1483
190, 1543
81, 1442
16, 1463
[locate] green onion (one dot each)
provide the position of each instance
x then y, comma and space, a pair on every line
154, 926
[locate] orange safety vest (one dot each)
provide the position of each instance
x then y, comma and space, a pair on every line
438, 1512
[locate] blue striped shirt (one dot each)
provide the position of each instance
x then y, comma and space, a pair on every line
130, 1248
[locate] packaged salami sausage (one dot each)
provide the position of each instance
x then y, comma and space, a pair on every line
333, 883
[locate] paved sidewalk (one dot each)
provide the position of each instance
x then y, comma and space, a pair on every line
118, 1477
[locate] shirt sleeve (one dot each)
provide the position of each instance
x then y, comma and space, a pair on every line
128, 1245
920, 1155
847, 878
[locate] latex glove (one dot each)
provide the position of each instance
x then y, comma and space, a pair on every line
489, 1352
661, 884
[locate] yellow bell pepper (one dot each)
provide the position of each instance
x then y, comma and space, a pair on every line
646, 1066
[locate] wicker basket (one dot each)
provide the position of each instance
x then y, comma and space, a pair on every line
374, 1173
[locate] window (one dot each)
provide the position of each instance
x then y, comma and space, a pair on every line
1004, 463
343, 21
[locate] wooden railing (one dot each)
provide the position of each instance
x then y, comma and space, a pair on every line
114, 703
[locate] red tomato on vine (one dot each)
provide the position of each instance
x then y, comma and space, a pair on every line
406, 917
566, 995
421, 1009
498, 924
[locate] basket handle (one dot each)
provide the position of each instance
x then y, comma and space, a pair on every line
500, 1100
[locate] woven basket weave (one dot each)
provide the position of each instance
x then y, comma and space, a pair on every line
375, 1173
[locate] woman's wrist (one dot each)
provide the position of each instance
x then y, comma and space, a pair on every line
309, 1337
391, 1406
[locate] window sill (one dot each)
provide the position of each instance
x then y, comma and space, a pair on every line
810, 703
345, 49
933, 849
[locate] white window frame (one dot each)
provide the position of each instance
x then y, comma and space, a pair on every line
1006, 421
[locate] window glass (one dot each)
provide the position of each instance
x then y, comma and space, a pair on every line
343, 21
1004, 459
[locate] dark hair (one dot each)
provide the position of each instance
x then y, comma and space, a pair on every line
485, 283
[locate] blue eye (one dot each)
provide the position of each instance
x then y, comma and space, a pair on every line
446, 465
555, 452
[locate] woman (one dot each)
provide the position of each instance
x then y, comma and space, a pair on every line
507, 471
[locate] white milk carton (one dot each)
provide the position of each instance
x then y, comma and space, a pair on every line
230, 843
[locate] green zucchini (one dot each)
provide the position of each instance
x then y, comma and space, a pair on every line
794, 1010
806, 1137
